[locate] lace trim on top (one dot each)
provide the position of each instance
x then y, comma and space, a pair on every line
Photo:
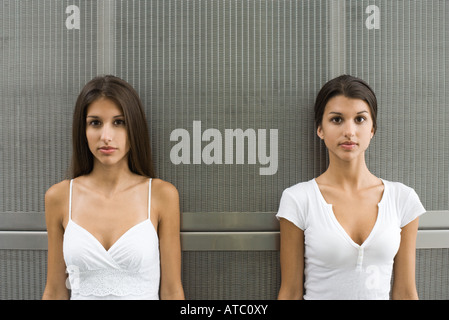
108, 282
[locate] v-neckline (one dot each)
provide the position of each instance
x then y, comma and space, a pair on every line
340, 227
116, 241
122, 235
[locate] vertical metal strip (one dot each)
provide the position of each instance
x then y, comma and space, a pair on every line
337, 38
105, 36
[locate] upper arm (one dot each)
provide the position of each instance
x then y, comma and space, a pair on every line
404, 286
169, 240
292, 261
55, 199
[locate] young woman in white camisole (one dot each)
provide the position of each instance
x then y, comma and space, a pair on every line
113, 229
346, 232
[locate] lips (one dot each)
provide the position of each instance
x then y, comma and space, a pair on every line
107, 149
348, 145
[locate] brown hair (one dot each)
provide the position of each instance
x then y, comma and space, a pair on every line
124, 95
350, 87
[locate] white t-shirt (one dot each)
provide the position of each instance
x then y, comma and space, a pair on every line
335, 266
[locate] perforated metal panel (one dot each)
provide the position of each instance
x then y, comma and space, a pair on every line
22, 274
203, 67
406, 61
228, 65
248, 275
250, 65
215, 274
432, 276
43, 67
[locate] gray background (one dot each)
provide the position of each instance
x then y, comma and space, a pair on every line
250, 64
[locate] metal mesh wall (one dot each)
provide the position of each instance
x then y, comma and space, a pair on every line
215, 274
432, 277
248, 275
406, 60
246, 65
259, 64
43, 67
203, 67
231, 65
22, 274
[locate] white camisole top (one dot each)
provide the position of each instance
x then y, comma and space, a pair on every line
130, 269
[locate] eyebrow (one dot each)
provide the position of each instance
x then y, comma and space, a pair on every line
339, 113
97, 117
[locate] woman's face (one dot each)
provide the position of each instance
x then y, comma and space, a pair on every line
106, 132
346, 128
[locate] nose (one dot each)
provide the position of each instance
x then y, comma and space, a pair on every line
349, 129
106, 134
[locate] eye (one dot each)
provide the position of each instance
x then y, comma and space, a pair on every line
336, 120
94, 123
119, 122
360, 119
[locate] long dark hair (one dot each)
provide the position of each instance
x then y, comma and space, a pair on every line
124, 95
350, 87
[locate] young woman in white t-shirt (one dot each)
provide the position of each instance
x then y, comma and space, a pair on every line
344, 233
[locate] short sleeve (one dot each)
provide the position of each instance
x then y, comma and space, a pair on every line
411, 208
290, 210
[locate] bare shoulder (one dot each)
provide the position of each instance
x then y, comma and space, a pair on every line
164, 191
57, 199
58, 192
165, 200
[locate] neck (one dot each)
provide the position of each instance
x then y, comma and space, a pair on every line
348, 174
108, 179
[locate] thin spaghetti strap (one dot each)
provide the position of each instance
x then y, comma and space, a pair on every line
149, 198
70, 201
